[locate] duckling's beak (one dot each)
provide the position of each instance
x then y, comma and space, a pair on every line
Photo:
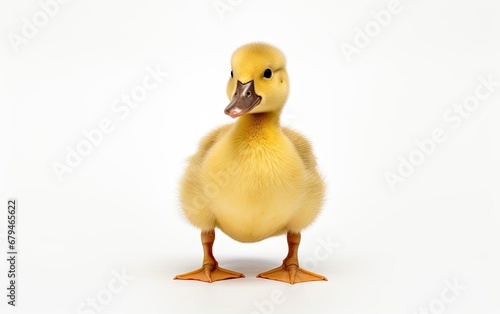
244, 100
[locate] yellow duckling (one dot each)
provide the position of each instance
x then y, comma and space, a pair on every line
253, 179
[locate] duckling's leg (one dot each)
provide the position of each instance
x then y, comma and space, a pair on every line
210, 270
290, 271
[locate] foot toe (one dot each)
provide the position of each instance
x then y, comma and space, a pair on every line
209, 273
291, 274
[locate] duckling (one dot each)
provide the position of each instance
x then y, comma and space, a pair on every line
253, 179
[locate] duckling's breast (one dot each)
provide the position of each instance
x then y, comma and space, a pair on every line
254, 191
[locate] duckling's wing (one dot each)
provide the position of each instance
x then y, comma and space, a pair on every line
303, 147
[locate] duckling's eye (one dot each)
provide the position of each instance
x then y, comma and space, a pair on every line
268, 73
231, 73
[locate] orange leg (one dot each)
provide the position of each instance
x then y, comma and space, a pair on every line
290, 271
210, 270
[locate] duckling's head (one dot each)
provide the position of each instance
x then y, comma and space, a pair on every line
258, 82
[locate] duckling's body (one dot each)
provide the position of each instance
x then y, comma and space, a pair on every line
267, 184
253, 179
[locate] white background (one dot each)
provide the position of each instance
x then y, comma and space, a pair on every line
119, 210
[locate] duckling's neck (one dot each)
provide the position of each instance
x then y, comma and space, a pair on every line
258, 126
